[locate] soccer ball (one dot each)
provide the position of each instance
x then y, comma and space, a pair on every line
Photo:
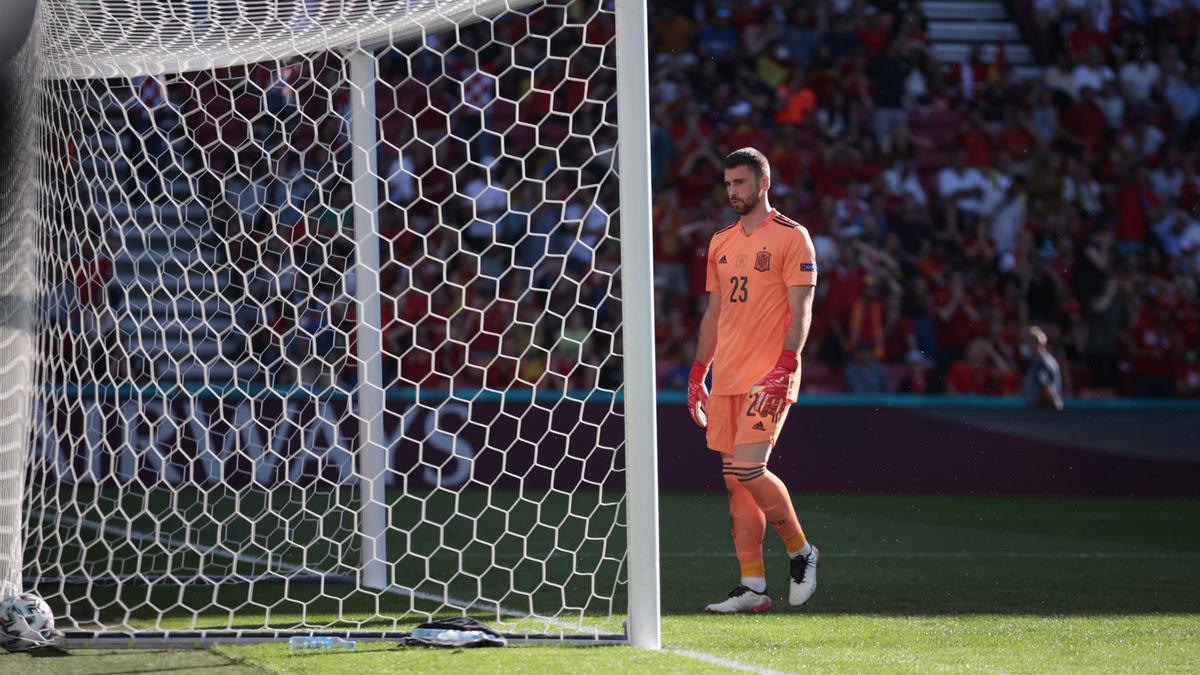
26, 622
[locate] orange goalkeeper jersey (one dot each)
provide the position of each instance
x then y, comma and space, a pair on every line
752, 273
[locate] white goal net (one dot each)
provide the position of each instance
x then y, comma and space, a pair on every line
333, 333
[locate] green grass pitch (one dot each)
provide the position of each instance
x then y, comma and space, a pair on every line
907, 584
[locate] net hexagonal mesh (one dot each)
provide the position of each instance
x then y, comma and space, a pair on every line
292, 380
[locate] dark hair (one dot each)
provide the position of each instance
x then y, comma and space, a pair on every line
749, 157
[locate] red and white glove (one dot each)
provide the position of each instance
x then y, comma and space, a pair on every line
698, 394
770, 393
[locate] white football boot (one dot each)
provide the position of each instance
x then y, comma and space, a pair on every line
742, 600
804, 577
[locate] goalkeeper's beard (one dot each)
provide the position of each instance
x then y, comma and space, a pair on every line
744, 206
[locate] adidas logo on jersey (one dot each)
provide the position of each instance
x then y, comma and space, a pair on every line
758, 426
722, 260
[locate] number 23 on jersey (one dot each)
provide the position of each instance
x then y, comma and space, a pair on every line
739, 292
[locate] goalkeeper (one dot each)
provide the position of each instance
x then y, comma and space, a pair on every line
761, 277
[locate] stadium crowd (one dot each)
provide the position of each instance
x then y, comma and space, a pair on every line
951, 205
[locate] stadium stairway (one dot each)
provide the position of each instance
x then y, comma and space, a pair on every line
956, 25
169, 286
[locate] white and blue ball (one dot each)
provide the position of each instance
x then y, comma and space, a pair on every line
26, 622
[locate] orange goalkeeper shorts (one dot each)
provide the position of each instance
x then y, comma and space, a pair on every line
731, 423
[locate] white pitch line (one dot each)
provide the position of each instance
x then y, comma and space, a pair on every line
966, 555
722, 661
289, 567
906, 555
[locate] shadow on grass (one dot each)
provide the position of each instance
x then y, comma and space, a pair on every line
49, 652
121, 661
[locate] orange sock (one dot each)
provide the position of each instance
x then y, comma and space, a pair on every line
796, 544
771, 496
753, 569
748, 525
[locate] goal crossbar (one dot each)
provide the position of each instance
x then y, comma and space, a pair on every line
106, 40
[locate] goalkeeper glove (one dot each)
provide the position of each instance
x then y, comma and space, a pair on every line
698, 394
770, 393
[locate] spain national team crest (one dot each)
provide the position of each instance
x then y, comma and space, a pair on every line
762, 261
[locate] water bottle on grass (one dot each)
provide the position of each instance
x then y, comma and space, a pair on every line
307, 642
448, 634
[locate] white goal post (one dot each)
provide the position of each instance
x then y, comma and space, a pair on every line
19, 56
344, 321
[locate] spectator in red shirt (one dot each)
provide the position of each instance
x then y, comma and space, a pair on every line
873, 30
1151, 347
798, 100
983, 371
1136, 205
670, 269
824, 75
1017, 137
867, 323
833, 170
1187, 317
899, 330
1085, 36
976, 141
967, 78
691, 134
1083, 123
91, 270
750, 132
844, 281
956, 319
